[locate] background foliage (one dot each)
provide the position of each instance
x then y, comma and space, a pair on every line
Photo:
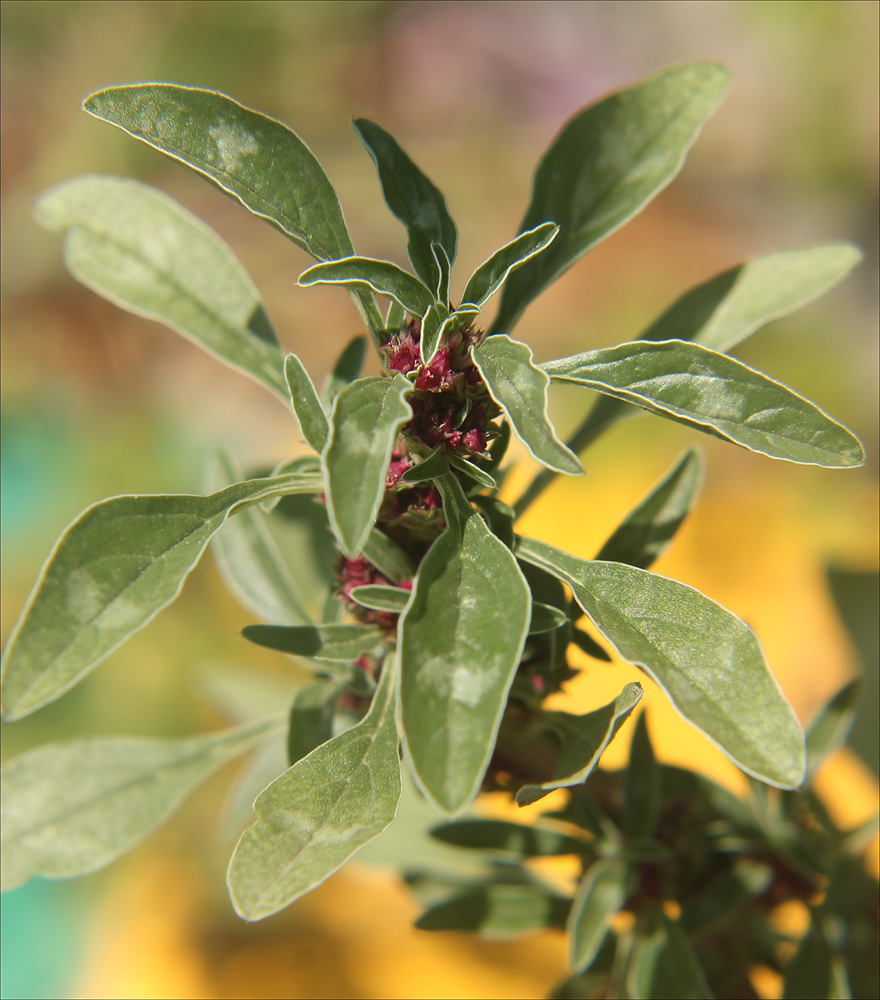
97, 403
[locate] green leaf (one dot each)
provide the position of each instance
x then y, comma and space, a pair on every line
714, 394
248, 559
388, 558
492, 273
254, 159
830, 727
472, 471
605, 165
434, 465
546, 618
725, 310
319, 813
412, 198
600, 896
435, 324
723, 898
71, 808
520, 389
643, 785
664, 964
311, 719
498, 516
587, 644
347, 368
111, 572
645, 533
584, 739
378, 275
460, 641
306, 405
497, 911
365, 422
145, 253
392, 599
508, 838
444, 268
335, 643
709, 663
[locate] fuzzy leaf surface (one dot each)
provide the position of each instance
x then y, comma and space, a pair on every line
584, 739
255, 159
320, 812
605, 165
520, 389
366, 419
709, 662
337, 643
306, 405
119, 563
412, 198
459, 641
601, 894
725, 310
645, 533
393, 599
714, 394
71, 808
380, 276
145, 253
249, 560
492, 273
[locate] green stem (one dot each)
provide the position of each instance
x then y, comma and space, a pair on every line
368, 309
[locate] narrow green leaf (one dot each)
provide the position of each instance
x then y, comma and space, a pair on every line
311, 719
319, 813
507, 838
380, 276
546, 618
725, 310
412, 198
709, 663
347, 368
584, 739
145, 253
643, 785
117, 565
664, 964
380, 598
306, 405
71, 808
444, 267
254, 159
830, 727
365, 422
436, 464
815, 972
645, 533
340, 643
497, 911
395, 316
248, 559
587, 644
605, 165
520, 389
472, 471
435, 323
460, 641
388, 558
600, 896
492, 273
714, 394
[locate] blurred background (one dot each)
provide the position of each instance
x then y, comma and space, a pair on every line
97, 403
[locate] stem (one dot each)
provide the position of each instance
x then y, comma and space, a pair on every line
366, 306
